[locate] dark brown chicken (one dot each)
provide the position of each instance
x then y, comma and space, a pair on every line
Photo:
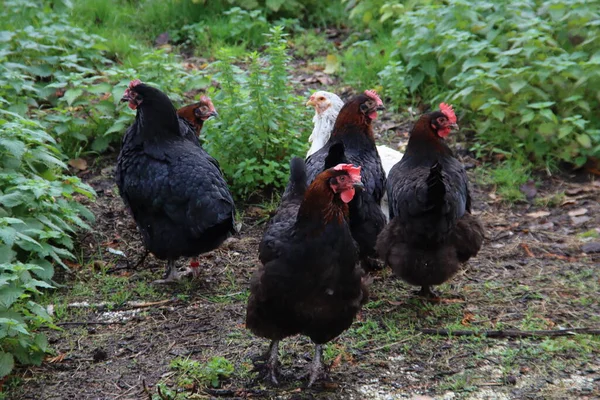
431, 229
310, 283
353, 129
195, 114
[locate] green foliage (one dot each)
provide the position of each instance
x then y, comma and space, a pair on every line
39, 213
523, 73
211, 374
262, 122
56, 73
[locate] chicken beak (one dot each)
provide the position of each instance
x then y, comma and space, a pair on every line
454, 127
310, 103
380, 108
126, 96
358, 185
213, 113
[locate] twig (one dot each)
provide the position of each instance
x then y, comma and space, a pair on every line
91, 323
392, 344
126, 306
146, 389
511, 333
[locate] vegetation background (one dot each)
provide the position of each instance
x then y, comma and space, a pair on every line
523, 76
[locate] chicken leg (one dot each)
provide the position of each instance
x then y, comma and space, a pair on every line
427, 292
171, 274
317, 369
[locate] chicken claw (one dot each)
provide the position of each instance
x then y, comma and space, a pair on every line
317, 369
172, 275
271, 363
428, 293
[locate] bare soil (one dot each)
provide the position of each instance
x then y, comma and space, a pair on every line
532, 274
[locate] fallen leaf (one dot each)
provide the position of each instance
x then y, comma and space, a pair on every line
467, 319
542, 227
395, 303
78, 163
529, 190
336, 362
578, 212
527, 251
579, 220
332, 64
538, 214
59, 358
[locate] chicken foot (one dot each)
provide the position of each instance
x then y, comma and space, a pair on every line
317, 369
271, 363
171, 274
427, 292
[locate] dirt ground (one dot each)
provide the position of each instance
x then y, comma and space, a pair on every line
120, 336
530, 275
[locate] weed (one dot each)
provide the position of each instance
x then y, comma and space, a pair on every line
213, 373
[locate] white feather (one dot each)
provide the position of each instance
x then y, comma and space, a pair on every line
323, 125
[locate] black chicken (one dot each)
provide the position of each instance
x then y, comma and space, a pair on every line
310, 283
431, 228
176, 192
353, 129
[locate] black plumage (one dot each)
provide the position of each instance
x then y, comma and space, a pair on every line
310, 283
353, 130
174, 189
431, 229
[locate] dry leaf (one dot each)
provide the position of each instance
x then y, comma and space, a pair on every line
578, 212
336, 362
59, 358
467, 319
78, 163
538, 214
332, 64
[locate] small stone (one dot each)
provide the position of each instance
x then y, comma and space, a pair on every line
100, 355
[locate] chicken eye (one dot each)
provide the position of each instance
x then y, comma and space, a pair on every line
321, 98
364, 107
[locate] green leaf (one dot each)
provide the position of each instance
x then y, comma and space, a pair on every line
516, 86
12, 199
274, 5
10, 294
543, 104
564, 131
584, 140
547, 128
7, 363
72, 94
498, 114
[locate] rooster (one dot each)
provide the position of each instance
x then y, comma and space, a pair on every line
353, 129
310, 282
176, 193
431, 229
327, 107
195, 114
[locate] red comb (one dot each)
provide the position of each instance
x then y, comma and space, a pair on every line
447, 110
353, 171
373, 94
134, 83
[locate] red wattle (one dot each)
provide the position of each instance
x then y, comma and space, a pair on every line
347, 195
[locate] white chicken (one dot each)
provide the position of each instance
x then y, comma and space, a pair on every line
327, 106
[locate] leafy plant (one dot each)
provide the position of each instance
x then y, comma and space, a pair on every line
262, 122
216, 370
39, 213
522, 72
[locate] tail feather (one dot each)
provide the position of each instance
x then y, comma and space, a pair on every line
297, 183
335, 156
436, 190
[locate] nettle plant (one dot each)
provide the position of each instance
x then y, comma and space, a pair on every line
39, 213
262, 123
525, 73
56, 73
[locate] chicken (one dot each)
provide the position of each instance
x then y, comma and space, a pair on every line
431, 230
353, 129
195, 114
175, 192
327, 107
310, 282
